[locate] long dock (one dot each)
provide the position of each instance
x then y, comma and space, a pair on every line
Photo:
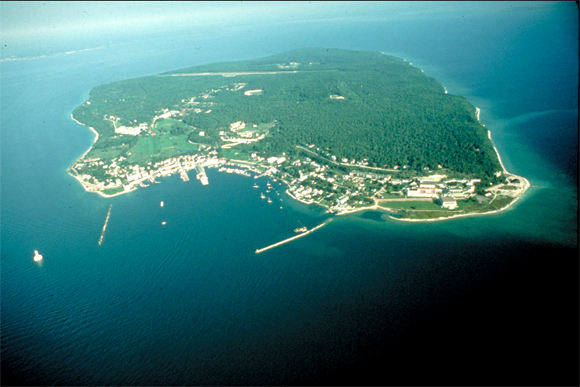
105, 226
258, 251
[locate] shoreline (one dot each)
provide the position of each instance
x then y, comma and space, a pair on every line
526, 187
133, 188
90, 127
374, 207
378, 208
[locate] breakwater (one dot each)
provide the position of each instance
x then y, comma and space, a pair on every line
258, 251
105, 225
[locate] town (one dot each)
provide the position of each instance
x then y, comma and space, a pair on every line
307, 180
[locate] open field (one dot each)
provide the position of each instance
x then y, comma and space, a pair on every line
427, 209
161, 145
234, 154
410, 204
107, 153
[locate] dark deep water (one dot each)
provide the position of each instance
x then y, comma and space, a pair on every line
481, 300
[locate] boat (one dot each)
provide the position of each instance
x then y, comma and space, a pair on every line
161, 204
263, 196
37, 257
300, 230
269, 200
255, 186
163, 223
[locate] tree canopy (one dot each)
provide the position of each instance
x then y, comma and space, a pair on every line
350, 104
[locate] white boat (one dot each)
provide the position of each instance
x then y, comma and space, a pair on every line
37, 257
161, 204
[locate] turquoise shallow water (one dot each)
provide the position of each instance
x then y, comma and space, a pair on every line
191, 303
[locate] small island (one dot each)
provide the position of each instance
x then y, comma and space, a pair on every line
348, 130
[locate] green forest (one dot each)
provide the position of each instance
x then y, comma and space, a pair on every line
350, 104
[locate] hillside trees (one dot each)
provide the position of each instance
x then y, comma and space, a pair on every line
390, 113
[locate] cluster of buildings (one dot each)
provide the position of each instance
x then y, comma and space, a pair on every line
131, 130
312, 182
423, 188
315, 182
129, 177
444, 191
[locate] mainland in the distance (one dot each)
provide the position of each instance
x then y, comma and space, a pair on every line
348, 130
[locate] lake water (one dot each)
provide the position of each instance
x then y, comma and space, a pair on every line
495, 297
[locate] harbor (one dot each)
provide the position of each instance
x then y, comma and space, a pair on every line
258, 251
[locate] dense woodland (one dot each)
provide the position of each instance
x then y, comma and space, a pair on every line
391, 114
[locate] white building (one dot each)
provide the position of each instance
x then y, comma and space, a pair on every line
237, 125
420, 192
448, 202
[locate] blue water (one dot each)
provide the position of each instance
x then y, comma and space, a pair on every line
191, 303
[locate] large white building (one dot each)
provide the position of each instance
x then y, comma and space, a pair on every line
132, 131
447, 202
420, 192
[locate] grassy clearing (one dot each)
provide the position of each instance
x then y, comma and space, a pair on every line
500, 202
112, 191
265, 127
411, 205
234, 153
414, 209
106, 154
166, 124
161, 145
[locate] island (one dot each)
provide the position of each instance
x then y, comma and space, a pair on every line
347, 130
